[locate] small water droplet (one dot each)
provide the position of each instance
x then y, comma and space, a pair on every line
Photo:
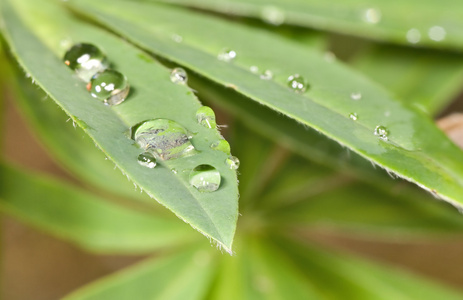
297, 83
177, 38
413, 36
174, 171
147, 160
273, 15
221, 145
387, 113
205, 178
164, 138
227, 55
233, 162
254, 69
356, 96
86, 60
353, 116
372, 15
179, 76
109, 86
437, 33
206, 117
266, 75
381, 132
329, 56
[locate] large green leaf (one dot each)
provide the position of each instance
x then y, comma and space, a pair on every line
415, 149
428, 79
41, 25
431, 23
184, 275
85, 219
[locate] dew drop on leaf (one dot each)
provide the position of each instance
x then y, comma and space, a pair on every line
273, 15
381, 132
206, 117
166, 139
233, 162
266, 75
356, 96
413, 36
205, 178
86, 60
147, 160
297, 83
227, 55
221, 145
109, 86
353, 116
372, 15
437, 33
179, 76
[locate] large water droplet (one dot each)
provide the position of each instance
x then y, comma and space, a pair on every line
372, 15
147, 160
205, 178
227, 55
164, 138
233, 162
381, 132
356, 96
206, 117
413, 36
353, 116
86, 60
179, 76
273, 15
437, 33
297, 83
109, 86
221, 145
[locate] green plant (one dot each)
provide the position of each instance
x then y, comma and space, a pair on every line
279, 90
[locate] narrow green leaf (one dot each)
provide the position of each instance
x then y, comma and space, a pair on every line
85, 219
430, 23
186, 275
346, 277
41, 25
426, 79
415, 149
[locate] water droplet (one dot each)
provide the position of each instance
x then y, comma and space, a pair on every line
206, 117
266, 75
437, 33
205, 178
179, 76
381, 132
86, 60
254, 69
109, 86
221, 145
164, 138
329, 56
174, 171
413, 36
227, 55
356, 96
147, 160
233, 162
177, 38
353, 116
372, 15
273, 15
297, 83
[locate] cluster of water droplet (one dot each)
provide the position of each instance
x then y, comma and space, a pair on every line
91, 65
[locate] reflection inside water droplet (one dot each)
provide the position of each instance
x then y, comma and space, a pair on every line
179, 76
206, 117
147, 160
109, 86
86, 60
205, 178
227, 55
233, 162
164, 138
221, 145
297, 83
381, 132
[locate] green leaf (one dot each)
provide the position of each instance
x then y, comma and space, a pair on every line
415, 149
430, 23
427, 79
185, 275
347, 277
153, 96
85, 219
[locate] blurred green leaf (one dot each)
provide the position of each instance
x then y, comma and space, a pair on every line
415, 149
430, 23
41, 25
85, 219
185, 275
